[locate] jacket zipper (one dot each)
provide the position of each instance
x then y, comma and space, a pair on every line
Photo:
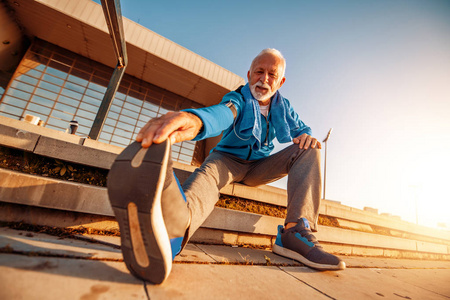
267, 131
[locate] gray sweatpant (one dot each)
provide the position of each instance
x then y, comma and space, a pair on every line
219, 169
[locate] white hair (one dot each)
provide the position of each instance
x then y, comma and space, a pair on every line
274, 52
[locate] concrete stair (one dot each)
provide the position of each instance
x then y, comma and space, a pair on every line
44, 201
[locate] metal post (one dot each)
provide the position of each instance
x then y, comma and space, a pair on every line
113, 16
325, 163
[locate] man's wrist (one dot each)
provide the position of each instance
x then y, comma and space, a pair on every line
197, 121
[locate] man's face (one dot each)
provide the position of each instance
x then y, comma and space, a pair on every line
265, 77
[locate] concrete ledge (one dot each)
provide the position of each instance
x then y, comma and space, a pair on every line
56, 194
59, 145
265, 194
39, 191
363, 217
17, 138
74, 153
253, 223
8, 124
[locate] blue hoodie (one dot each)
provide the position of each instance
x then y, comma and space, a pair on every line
250, 135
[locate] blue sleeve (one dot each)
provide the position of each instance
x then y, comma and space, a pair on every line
218, 117
302, 127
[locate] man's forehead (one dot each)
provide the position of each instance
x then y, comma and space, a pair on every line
268, 61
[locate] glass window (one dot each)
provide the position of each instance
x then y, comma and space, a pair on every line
120, 140
7, 114
69, 101
110, 122
11, 109
94, 94
14, 102
86, 114
46, 94
49, 87
75, 87
72, 94
189, 145
26, 79
120, 96
125, 126
83, 121
23, 86
56, 72
97, 87
151, 106
105, 136
132, 107
176, 147
60, 124
53, 79
136, 100
42, 101
92, 101
122, 133
139, 125
39, 109
83, 130
128, 120
65, 108
109, 129
78, 78
115, 109
18, 94
130, 114
34, 73
113, 115
62, 115
89, 107
60, 86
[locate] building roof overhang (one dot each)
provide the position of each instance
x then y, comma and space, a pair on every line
80, 27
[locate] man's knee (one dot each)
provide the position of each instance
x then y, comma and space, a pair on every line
310, 154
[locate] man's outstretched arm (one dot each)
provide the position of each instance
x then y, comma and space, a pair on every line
175, 126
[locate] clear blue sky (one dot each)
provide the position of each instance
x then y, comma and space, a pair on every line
378, 72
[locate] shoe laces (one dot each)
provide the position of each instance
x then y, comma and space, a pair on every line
306, 233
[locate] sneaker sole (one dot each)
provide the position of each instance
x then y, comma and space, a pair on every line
294, 255
135, 183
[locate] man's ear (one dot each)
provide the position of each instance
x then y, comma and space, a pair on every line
282, 82
248, 75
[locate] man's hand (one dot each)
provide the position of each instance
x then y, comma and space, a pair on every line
175, 126
305, 141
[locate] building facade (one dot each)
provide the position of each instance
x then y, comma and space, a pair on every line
57, 81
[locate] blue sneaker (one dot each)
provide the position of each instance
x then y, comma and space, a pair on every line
151, 210
300, 244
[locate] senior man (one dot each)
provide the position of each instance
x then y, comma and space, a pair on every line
157, 216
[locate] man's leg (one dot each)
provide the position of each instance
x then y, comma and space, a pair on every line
203, 186
304, 185
304, 180
150, 208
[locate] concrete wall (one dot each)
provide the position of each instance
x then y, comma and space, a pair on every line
358, 231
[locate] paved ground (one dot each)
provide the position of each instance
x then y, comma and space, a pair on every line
41, 266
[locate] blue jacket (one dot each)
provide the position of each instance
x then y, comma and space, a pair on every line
250, 135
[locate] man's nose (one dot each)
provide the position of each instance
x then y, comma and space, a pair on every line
264, 77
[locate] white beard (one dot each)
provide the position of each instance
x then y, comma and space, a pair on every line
260, 96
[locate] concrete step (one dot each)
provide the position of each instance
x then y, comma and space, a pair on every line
56, 144
41, 266
223, 226
36, 191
